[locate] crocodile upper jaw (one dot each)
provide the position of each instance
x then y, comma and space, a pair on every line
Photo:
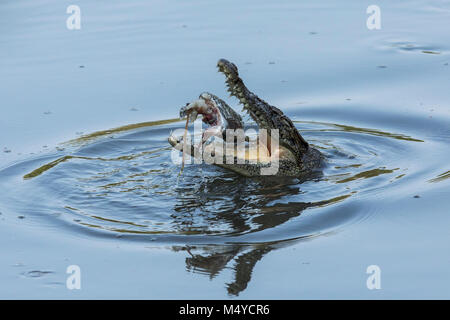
266, 116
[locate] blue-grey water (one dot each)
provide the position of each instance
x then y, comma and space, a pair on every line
86, 176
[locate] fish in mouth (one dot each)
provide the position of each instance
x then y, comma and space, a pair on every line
294, 156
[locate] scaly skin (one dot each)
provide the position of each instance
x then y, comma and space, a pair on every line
296, 157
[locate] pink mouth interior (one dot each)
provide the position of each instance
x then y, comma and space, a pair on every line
213, 117
208, 109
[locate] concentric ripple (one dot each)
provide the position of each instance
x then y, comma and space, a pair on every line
123, 183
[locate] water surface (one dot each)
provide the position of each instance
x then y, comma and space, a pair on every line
86, 173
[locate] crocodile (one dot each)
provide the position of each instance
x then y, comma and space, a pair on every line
293, 154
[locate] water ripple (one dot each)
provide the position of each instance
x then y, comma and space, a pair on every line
128, 186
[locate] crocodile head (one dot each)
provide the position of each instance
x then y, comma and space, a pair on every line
291, 152
291, 143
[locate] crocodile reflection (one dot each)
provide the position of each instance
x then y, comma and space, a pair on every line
251, 206
243, 205
213, 259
